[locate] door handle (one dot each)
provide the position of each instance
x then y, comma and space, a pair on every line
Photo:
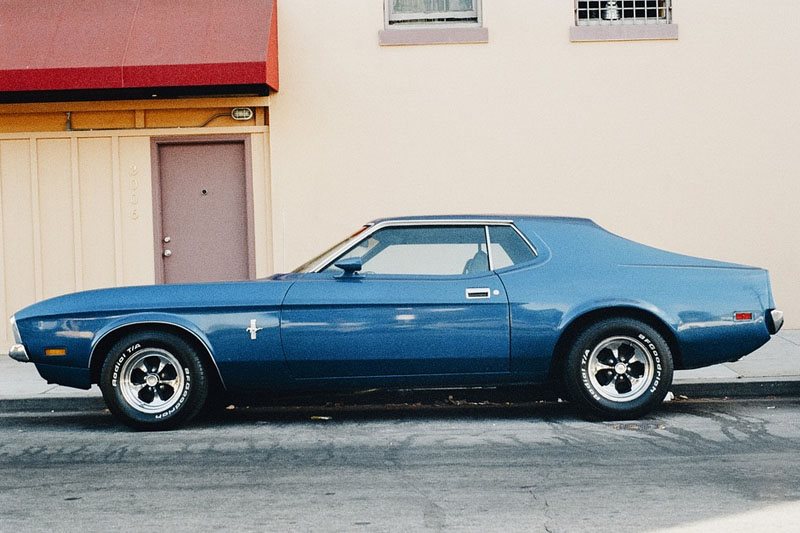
478, 293
167, 253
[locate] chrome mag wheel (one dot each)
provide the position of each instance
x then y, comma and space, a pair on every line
151, 380
617, 369
620, 369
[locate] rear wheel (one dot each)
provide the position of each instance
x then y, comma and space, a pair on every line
618, 369
153, 380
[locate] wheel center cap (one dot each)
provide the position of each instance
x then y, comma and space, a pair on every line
151, 380
620, 368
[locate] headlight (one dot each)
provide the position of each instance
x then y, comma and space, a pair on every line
15, 330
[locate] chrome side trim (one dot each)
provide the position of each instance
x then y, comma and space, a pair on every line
326, 261
147, 322
18, 353
489, 248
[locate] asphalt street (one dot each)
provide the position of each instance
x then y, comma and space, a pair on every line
529, 467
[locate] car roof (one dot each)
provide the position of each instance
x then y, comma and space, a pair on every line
482, 218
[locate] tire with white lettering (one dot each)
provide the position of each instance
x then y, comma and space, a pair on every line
618, 369
153, 380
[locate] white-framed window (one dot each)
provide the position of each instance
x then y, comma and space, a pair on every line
610, 12
410, 22
432, 12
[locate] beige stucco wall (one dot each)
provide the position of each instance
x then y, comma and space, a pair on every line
689, 145
76, 211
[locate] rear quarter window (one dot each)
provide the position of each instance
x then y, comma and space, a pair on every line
508, 247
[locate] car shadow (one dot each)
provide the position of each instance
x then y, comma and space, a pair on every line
340, 412
91, 414
366, 406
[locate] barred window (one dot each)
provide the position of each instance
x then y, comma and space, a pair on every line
410, 12
598, 12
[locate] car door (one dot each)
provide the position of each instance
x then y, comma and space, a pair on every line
423, 303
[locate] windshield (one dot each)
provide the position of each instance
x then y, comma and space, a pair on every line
308, 265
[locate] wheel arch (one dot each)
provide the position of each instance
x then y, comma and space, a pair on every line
114, 334
578, 323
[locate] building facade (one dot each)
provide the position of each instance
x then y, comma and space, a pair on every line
672, 123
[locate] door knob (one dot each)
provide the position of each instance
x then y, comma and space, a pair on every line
167, 253
167, 239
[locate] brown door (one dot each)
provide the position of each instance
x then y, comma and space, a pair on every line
204, 222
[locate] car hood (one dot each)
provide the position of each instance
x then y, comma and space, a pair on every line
196, 296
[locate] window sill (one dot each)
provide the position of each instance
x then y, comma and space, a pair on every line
447, 35
623, 32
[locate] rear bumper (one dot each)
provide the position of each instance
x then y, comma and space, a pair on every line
774, 321
18, 353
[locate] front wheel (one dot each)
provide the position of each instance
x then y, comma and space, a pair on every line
153, 380
618, 369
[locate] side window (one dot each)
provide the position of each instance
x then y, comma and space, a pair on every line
508, 248
422, 250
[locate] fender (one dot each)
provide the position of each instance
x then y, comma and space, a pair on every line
160, 319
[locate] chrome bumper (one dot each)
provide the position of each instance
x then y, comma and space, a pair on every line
774, 321
18, 353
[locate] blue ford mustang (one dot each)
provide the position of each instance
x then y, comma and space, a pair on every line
413, 302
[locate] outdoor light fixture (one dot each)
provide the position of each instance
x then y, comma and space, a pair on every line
241, 113
612, 11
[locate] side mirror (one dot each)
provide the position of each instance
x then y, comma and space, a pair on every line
350, 266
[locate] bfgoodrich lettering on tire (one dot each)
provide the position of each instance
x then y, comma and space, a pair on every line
153, 380
618, 368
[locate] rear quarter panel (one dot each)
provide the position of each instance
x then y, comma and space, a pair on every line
582, 268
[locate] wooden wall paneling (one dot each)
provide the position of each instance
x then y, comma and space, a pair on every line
136, 210
97, 206
34, 209
4, 333
54, 207
116, 211
77, 246
19, 279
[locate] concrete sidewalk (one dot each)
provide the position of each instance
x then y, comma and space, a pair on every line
772, 370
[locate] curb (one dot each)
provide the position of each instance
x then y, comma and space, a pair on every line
740, 388
16, 405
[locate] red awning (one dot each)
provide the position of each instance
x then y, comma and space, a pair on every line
64, 45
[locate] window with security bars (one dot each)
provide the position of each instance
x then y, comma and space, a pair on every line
591, 12
410, 12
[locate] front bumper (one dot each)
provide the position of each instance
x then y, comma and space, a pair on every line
18, 353
774, 321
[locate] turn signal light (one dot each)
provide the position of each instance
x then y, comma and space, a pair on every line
742, 316
55, 352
